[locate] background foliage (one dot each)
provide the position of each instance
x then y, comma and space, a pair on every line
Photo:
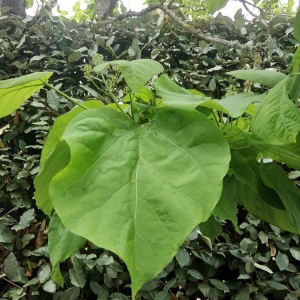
259, 263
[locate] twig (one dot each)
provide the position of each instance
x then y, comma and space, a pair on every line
188, 28
12, 283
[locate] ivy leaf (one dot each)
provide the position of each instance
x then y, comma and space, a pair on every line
265, 77
136, 73
44, 273
277, 119
77, 278
275, 178
53, 99
13, 92
183, 257
276, 285
62, 244
11, 268
6, 236
219, 284
70, 294
25, 220
74, 57
183, 154
282, 261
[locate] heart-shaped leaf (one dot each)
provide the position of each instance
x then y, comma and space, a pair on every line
136, 189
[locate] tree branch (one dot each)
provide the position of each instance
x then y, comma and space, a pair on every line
187, 27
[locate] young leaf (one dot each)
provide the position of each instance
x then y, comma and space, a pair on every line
181, 153
62, 244
136, 73
275, 178
277, 119
265, 77
13, 92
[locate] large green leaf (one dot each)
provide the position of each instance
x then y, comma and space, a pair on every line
256, 205
277, 119
215, 5
275, 178
57, 160
61, 244
265, 77
13, 92
241, 169
287, 155
297, 26
60, 125
127, 184
174, 96
136, 73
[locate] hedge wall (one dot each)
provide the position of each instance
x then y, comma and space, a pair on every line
259, 262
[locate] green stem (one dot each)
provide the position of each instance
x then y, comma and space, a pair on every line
215, 119
113, 96
65, 95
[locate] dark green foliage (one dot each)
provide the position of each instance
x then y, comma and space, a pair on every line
263, 260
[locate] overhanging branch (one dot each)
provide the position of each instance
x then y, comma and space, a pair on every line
187, 27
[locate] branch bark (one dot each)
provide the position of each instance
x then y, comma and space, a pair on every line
187, 27
105, 8
16, 7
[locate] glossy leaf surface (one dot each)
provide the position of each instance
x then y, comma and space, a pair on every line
13, 92
127, 184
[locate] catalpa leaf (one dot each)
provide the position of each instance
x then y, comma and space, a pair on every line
136, 73
127, 184
60, 125
226, 208
62, 244
275, 178
265, 77
277, 119
13, 92
256, 204
173, 96
297, 27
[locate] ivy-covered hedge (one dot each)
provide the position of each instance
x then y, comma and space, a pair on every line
259, 262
